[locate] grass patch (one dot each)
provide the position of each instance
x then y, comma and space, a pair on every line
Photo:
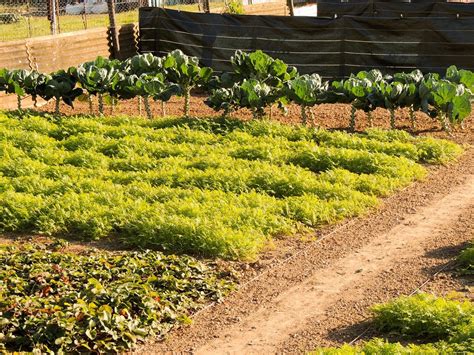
448, 322
211, 187
99, 302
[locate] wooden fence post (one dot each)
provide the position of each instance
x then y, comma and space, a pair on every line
53, 15
113, 29
291, 7
206, 7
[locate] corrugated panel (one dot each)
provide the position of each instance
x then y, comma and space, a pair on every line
13, 55
62, 51
127, 35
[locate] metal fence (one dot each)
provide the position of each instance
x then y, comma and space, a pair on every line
20, 19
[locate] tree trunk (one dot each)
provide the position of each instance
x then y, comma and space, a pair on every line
91, 108
101, 104
112, 106
140, 99
18, 102
369, 119
226, 113
163, 109
445, 123
412, 119
304, 115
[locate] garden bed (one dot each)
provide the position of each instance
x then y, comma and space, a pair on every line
206, 187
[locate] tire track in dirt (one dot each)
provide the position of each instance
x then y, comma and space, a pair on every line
263, 330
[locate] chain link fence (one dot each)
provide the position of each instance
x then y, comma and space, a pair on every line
20, 19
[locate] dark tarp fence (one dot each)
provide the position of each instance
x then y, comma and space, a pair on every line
332, 47
390, 8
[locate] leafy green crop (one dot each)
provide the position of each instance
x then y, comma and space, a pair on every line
306, 91
61, 86
185, 72
256, 82
55, 301
423, 316
98, 77
449, 322
211, 187
466, 260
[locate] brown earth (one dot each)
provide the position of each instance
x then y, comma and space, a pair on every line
332, 116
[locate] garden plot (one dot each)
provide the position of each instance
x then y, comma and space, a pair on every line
221, 188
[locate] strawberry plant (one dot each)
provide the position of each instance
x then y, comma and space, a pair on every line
56, 301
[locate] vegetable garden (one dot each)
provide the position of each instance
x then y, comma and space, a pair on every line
209, 187
257, 82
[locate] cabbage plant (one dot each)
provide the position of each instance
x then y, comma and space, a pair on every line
306, 91
185, 72
98, 77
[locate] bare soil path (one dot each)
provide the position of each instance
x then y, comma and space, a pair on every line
262, 331
317, 296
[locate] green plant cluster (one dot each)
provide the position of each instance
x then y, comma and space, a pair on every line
54, 301
211, 187
257, 81
466, 260
143, 76
446, 325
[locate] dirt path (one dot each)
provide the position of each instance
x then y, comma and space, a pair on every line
316, 296
269, 326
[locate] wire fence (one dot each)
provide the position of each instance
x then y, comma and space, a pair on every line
20, 19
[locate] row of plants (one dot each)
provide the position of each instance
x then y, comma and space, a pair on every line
427, 324
210, 187
256, 82
443, 325
59, 302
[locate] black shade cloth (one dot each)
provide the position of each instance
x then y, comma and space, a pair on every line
334, 48
390, 8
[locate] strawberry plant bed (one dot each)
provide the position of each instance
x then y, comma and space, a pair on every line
57, 301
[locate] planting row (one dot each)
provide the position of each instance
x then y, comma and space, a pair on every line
219, 188
435, 325
54, 301
257, 82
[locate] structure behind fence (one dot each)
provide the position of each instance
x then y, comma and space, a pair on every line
332, 47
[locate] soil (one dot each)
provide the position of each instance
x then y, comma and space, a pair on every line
331, 116
315, 290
